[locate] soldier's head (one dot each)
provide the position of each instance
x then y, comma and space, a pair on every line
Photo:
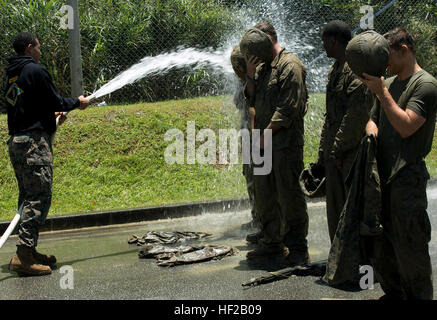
26, 44
238, 63
335, 36
402, 49
268, 28
256, 43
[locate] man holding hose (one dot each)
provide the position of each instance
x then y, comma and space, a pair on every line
33, 104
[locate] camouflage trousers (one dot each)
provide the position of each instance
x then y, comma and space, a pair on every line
403, 265
32, 159
280, 202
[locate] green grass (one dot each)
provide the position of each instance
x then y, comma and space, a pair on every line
113, 157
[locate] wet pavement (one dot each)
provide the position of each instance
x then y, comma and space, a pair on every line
104, 266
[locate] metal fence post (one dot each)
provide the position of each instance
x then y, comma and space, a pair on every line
75, 52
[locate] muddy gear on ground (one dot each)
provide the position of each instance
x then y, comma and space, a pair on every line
256, 43
368, 52
359, 226
312, 181
166, 237
315, 269
296, 258
24, 263
419, 94
266, 251
209, 252
237, 60
160, 251
348, 104
32, 160
44, 259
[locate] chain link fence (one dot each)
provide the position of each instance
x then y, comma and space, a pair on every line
117, 34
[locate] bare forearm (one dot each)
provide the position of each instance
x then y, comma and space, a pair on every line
405, 122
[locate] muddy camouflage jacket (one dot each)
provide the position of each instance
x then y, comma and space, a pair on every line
360, 219
281, 98
348, 104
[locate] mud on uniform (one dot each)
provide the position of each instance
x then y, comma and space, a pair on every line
404, 266
32, 101
348, 104
281, 98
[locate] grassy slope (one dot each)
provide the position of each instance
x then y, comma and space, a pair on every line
113, 157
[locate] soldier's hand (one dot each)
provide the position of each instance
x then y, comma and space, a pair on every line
375, 84
251, 64
60, 117
84, 103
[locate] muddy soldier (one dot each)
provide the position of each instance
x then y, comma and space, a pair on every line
403, 119
348, 103
239, 67
32, 103
276, 87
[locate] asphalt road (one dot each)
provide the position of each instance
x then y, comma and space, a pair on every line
104, 266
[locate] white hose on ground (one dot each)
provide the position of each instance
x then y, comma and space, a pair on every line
9, 230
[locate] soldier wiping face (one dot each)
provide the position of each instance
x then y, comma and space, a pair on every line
238, 63
256, 43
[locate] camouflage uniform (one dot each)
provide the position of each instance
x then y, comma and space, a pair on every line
31, 158
403, 266
348, 103
281, 98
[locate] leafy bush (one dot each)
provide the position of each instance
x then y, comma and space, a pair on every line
116, 34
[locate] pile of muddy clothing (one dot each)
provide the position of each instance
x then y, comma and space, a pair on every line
160, 245
166, 237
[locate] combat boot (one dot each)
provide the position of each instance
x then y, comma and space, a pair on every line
253, 238
264, 251
43, 259
296, 258
24, 263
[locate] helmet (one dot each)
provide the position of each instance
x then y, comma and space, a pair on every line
368, 52
257, 43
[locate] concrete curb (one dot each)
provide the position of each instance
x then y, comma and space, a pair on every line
98, 219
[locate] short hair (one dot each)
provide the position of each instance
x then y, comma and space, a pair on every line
398, 37
22, 40
338, 29
268, 28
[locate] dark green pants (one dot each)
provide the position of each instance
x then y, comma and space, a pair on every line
403, 265
31, 158
336, 191
280, 202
